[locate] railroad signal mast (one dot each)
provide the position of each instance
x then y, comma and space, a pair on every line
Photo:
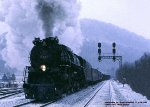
114, 57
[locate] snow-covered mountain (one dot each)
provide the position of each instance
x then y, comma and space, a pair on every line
130, 45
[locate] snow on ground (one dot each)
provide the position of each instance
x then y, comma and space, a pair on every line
126, 94
13, 100
78, 99
107, 94
67, 101
118, 96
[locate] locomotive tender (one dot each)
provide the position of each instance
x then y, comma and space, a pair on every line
56, 70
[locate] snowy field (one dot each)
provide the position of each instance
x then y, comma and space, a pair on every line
105, 94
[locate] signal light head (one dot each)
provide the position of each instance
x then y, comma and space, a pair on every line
113, 44
99, 45
99, 51
114, 58
99, 58
114, 51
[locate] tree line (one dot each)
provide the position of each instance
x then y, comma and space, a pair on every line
137, 75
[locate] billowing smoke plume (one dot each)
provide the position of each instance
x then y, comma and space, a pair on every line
46, 14
27, 19
56, 15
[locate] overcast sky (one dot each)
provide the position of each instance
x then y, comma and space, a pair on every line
133, 15
22, 23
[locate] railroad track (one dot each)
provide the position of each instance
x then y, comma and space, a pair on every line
11, 94
48, 103
9, 90
26, 103
35, 103
110, 93
6, 92
1, 89
87, 104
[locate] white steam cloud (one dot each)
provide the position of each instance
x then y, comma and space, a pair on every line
27, 19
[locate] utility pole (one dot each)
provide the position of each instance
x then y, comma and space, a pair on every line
114, 57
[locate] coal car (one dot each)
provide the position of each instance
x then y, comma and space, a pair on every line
55, 70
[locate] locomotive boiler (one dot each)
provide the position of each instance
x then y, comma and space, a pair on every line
55, 70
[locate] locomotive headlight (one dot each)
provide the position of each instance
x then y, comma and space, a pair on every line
43, 67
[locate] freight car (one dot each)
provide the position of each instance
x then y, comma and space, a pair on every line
56, 70
106, 77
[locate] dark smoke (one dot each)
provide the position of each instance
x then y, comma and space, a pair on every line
50, 13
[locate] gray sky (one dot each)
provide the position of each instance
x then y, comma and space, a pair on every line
133, 15
23, 25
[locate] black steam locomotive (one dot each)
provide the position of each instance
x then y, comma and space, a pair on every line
56, 70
